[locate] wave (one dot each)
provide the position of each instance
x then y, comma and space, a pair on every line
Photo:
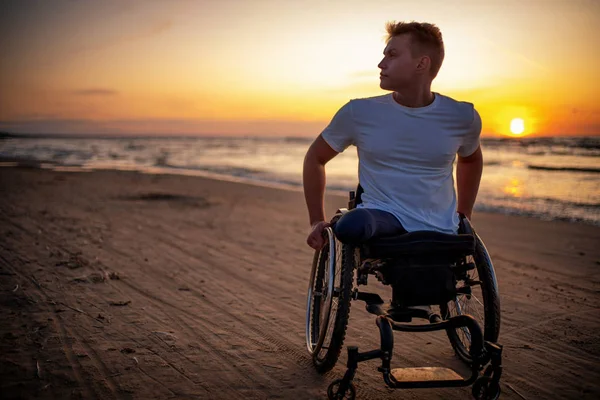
587, 146
584, 142
298, 140
562, 203
222, 170
132, 146
565, 169
538, 214
161, 159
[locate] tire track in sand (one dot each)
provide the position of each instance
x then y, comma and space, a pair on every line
61, 330
301, 358
249, 380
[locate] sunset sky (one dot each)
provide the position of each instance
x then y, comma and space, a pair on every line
283, 67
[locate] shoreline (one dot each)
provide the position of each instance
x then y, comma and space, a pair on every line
170, 171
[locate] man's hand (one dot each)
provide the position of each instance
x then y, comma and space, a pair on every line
316, 239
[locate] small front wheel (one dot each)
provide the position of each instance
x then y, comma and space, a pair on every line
333, 391
485, 388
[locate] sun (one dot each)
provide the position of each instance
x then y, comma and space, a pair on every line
517, 126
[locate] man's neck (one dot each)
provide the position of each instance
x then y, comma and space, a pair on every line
414, 98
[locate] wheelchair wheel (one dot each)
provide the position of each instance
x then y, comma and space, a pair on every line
483, 303
332, 391
328, 303
485, 389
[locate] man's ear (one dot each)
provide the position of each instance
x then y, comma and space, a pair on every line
424, 64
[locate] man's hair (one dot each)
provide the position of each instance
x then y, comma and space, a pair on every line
427, 37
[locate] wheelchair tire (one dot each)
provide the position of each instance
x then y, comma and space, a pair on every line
459, 338
328, 312
485, 389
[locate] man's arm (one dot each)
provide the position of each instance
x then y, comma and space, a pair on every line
468, 177
313, 177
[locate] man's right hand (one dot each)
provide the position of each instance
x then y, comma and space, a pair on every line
316, 239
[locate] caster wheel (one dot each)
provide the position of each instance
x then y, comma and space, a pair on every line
332, 391
485, 389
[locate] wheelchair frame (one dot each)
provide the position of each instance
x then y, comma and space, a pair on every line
483, 349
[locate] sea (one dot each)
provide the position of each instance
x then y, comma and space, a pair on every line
554, 178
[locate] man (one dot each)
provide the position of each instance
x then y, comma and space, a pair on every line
407, 142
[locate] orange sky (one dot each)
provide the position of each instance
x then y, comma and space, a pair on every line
277, 67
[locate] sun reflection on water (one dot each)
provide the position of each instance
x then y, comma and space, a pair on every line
514, 188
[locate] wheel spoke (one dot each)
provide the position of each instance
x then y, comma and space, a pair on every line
467, 304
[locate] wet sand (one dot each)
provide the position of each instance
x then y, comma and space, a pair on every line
130, 286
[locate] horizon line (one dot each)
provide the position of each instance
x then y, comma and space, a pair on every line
5, 134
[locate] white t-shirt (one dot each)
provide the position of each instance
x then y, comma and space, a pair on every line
406, 155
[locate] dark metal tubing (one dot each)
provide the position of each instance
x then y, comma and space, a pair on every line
482, 352
354, 357
495, 354
369, 298
385, 354
458, 321
455, 322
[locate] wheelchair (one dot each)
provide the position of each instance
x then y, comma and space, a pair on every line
427, 272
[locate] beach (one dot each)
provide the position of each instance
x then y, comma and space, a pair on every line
145, 286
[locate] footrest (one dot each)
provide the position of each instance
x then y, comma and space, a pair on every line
424, 374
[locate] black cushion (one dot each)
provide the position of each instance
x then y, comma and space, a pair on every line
419, 243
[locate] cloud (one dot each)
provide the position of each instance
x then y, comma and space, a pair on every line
152, 30
149, 31
95, 92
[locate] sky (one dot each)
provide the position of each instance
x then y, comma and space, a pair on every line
284, 67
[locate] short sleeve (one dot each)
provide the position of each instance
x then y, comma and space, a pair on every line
471, 139
340, 132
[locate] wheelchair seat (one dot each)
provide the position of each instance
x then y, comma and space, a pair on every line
420, 243
420, 266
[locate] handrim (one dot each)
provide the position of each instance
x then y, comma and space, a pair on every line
335, 284
325, 305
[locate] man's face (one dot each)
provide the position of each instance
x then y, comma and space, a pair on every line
398, 67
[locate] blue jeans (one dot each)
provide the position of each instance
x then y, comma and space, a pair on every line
361, 224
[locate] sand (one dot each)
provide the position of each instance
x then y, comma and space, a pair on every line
130, 286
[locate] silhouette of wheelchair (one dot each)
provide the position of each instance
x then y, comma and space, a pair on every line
447, 280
